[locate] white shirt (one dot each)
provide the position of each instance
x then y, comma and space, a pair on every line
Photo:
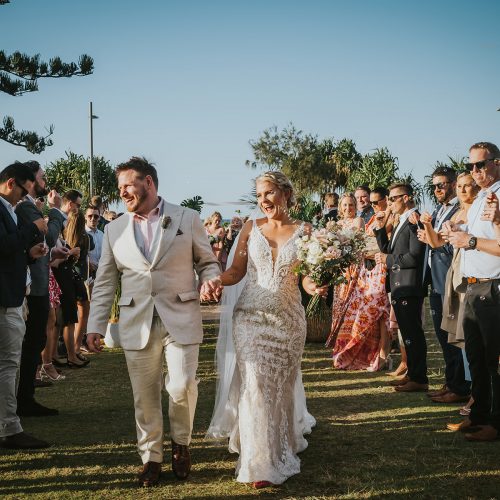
402, 219
97, 236
10, 209
477, 264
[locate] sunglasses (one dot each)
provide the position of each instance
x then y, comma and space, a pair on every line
376, 202
392, 199
479, 164
92, 216
440, 185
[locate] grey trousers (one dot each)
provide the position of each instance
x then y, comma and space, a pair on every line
12, 329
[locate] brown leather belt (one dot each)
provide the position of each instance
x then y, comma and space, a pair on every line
470, 281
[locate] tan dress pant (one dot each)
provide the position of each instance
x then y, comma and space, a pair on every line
145, 371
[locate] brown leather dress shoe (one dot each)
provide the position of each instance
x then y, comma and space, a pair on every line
412, 387
440, 392
150, 474
400, 381
485, 433
181, 460
464, 426
450, 397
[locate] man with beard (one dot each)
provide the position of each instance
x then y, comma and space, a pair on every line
38, 299
17, 248
154, 251
480, 266
437, 263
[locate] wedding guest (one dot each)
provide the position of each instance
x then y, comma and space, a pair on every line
480, 265
110, 215
71, 284
438, 260
360, 308
17, 248
97, 202
79, 237
38, 298
403, 255
216, 236
49, 353
330, 211
269, 330
234, 229
451, 322
364, 208
92, 221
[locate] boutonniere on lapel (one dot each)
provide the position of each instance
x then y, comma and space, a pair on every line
165, 221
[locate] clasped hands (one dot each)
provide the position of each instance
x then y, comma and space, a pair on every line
210, 290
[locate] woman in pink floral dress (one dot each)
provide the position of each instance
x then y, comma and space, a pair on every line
360, 308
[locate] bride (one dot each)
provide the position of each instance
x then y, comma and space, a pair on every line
260, 403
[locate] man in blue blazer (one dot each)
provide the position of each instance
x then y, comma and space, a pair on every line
17, 249
437, 262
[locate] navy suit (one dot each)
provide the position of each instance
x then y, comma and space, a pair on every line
435, 276
15, 243
405, 262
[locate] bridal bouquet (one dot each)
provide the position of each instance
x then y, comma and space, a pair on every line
325, 255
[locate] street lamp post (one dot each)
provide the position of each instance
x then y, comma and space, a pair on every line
92, 117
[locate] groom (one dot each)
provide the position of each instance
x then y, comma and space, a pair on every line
156, 248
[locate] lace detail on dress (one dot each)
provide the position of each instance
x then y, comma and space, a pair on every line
269, 331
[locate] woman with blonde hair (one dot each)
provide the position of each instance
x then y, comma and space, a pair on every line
217, 236
264, 414
360, 308
74, 295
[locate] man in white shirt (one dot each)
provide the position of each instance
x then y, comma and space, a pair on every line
481, 322
91, 222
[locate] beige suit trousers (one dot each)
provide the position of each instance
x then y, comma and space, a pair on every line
145, 371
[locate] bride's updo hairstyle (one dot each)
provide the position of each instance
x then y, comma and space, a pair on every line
282, 182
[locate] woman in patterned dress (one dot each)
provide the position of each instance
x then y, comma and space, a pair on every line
360, 307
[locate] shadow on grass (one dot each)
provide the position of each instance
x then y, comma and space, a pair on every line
369, 441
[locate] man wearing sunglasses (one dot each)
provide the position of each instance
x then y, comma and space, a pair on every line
438, 261
92, 217
403, 255
480, 267
18, 247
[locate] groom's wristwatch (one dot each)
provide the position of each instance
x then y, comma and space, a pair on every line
472, 243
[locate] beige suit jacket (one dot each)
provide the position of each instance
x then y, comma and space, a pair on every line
167, 282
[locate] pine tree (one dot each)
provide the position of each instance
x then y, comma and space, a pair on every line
19, 74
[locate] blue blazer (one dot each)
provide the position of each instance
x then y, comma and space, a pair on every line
441, 258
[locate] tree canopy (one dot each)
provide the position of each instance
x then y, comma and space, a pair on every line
72, 172
318, 166
19, 74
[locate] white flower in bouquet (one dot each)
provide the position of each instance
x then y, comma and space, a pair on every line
325, 255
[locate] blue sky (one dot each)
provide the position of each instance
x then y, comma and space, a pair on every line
188, 83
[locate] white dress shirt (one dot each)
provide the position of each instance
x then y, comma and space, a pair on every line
477, 264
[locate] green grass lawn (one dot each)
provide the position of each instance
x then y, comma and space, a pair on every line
370, 442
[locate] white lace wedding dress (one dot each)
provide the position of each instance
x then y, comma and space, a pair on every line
269, 331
